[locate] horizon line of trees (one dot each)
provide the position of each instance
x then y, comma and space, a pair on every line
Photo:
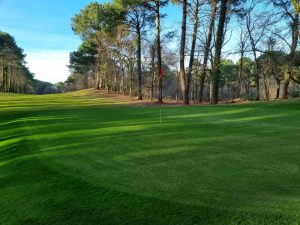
126, 48
15, 76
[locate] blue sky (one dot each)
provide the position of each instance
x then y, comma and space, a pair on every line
43, 29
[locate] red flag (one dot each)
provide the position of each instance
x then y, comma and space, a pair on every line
161, 73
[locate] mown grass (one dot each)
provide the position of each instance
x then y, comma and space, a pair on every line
83, 158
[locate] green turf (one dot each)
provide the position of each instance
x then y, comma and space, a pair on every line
80, 158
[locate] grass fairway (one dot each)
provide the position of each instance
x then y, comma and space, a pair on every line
81, 158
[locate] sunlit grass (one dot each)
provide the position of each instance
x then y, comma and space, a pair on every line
85, 158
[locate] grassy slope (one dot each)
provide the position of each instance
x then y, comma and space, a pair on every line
80, 158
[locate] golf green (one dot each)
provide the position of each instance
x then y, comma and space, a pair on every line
86, 158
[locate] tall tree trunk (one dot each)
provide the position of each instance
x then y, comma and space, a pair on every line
278, 88
196, 80
122, 88
256, 73
194, 90
2, 79
115, 80
238, 89
5, 79
266, 87
207, 48
9, 78
182, 53
211, 84
253, 44
139, 61
295, 38
130, 70
153, 72
194, 40
177, 86
97, 79
101, 82
158, 51
257, 98
218, 51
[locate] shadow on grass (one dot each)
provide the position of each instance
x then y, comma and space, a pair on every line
48, 197
118, 165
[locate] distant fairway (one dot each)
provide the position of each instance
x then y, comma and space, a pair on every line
84, 158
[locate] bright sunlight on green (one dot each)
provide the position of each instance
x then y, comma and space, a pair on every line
81, 158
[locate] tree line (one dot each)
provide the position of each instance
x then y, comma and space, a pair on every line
223, 49
15, 76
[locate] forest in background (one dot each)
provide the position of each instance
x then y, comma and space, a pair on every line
222, 50
126, 48
15, 76
88, 157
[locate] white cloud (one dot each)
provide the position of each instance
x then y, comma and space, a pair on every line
49, 65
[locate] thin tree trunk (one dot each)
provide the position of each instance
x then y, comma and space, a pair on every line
97, 80
2, 78
256, 77
122, 86
115, 82
158, 51
295, 38
5, 79
177, 86
153, 72
238, 89
207, 48
278, 88
256, 73
194, 90
253, 48
218, 51
182, 53
130, 68
194, 40
211, 83
139, 61
9, 78
266, 87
